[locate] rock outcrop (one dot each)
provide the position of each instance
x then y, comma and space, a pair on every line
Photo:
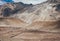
12, 8
44, 16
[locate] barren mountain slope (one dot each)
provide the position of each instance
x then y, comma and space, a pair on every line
44, 16
38, 16
12, 8
40, 22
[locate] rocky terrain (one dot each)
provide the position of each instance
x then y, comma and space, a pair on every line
12, 8
27, 22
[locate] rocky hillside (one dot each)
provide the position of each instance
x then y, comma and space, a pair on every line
44, 16
40, 22
12, 8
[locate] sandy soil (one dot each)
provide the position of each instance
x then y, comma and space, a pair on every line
16, 34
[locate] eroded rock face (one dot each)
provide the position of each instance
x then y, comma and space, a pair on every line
38, 23
41, 17
12, 8
45, 17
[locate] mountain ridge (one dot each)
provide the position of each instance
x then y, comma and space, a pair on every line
37, 16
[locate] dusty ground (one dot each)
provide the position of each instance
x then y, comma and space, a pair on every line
16, 34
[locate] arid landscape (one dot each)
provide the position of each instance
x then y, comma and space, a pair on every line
16, 34
28, 22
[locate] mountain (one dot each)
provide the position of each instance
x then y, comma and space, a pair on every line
27, 22
45, 14
13, 8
